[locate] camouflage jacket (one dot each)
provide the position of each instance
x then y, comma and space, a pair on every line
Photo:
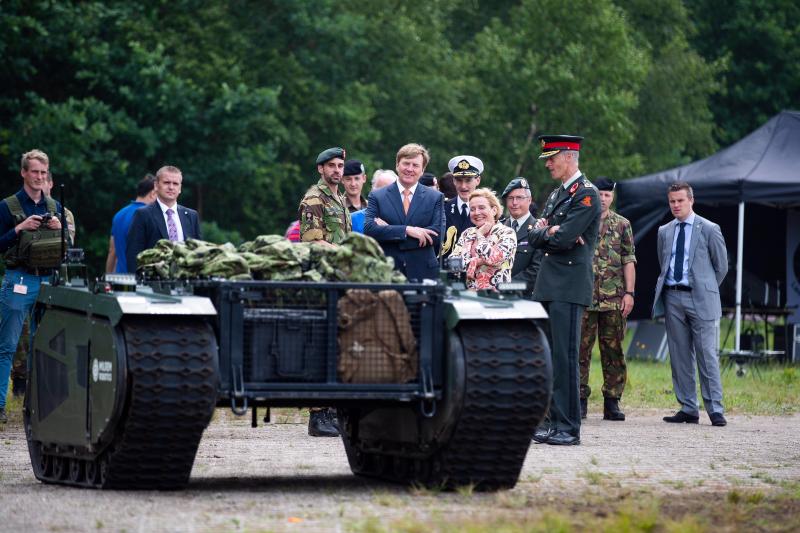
323, 215
614, 248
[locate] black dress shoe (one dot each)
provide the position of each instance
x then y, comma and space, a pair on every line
319, 425
611, 410
717, 419
584, 407
680, 417
562, 438
542, 434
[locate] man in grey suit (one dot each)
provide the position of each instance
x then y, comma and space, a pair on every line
694, 261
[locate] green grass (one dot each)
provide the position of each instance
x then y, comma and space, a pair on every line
776, 391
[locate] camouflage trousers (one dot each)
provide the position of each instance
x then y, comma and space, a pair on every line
609, 328
19, 368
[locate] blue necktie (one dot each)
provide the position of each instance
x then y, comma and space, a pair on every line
678, 274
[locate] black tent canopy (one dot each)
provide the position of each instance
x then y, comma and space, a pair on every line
762, 169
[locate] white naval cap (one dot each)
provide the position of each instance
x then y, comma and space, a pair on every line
465, 165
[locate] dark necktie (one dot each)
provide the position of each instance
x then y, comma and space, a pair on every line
172, 228
464, 214
678, 274
515, 225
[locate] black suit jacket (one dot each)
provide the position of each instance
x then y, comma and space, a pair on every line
425, 211
148, 227
453, 218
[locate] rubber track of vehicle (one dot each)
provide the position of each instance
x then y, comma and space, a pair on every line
173, 385
506, 397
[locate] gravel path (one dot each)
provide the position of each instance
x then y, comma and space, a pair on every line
276, 478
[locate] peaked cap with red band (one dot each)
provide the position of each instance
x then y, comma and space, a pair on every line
552, 144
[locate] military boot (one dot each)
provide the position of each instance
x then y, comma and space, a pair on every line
18, 386
611, 409
3, 417
319, 424
584, 407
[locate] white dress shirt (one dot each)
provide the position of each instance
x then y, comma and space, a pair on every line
175, 217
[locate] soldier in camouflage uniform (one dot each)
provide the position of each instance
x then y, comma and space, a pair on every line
324, 217
612, 301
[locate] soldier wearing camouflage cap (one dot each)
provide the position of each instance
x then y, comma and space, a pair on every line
614, 267
324, 217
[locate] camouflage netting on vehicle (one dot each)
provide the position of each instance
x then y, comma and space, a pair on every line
271, 257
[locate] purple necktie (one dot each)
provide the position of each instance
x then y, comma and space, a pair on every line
172, 229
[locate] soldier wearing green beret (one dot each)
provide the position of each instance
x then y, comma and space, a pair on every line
614, 266
324, 217
517, 197
567, 234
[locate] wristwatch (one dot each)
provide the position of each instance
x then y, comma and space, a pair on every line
631, 293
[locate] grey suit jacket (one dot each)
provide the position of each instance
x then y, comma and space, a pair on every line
708, 264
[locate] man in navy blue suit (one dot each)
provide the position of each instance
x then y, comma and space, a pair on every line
413, 214
163, 219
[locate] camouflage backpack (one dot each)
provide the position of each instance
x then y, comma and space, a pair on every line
41, 248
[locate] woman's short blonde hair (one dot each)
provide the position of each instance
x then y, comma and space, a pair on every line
491, 198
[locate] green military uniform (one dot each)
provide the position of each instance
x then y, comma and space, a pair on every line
351, 208
527, 259
324, 215
564, 285
603, 318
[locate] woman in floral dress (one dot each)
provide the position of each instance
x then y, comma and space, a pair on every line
488, 248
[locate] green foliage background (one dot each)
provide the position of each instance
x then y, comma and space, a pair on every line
242, 95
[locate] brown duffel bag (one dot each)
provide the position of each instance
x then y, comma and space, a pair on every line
376, 342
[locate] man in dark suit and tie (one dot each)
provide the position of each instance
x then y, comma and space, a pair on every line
466, 171
163, 219
567, 235
517, 196
413, 215
694, 261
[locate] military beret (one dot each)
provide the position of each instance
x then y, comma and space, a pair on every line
329, 154
552, 144
427, 179
465, 165
354, 167
516, 183
604, 184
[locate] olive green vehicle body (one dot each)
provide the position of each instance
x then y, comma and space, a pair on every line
112, 364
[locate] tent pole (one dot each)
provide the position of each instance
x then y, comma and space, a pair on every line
739, 249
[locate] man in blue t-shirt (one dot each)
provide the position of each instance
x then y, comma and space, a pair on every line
145, 194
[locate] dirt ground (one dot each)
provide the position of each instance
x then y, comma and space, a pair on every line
276, 478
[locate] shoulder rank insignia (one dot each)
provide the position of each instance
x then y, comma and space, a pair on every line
587, 183
573, 188
587, 201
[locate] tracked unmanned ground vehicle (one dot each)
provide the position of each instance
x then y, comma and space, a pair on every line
125, 377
